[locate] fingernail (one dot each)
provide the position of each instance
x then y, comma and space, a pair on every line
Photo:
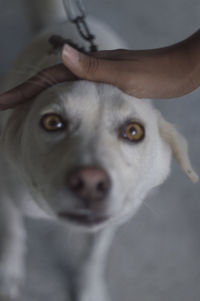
70, 53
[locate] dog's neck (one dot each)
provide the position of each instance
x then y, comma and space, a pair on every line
86, 254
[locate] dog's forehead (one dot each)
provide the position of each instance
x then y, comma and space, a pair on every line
88, 100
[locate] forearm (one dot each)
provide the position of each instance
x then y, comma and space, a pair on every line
167, 72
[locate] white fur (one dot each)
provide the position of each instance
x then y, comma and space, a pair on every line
35, 164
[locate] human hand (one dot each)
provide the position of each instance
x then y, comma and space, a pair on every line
160, 73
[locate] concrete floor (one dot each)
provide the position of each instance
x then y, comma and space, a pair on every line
156, 256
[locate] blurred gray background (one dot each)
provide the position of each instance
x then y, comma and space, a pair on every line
156, 256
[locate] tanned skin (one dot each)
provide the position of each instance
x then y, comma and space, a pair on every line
166, 72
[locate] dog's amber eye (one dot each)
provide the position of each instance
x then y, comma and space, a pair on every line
132, 131
52, 122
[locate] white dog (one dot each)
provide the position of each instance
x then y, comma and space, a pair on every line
82, 153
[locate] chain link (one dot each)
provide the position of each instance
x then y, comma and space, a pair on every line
76, 14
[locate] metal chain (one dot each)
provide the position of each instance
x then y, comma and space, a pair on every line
76, 14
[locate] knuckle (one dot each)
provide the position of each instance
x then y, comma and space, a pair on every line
90, 65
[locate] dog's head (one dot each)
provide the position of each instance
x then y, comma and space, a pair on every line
91, 153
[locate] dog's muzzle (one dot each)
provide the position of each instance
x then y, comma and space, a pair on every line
91, 186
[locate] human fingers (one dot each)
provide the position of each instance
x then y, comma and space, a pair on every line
35, 85
93, 68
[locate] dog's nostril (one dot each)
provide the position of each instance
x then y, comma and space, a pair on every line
102, 186
76, 183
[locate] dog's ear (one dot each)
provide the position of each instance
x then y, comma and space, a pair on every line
178, 145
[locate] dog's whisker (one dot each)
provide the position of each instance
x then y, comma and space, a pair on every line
151, 209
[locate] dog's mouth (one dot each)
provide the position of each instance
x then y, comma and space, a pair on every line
84, 218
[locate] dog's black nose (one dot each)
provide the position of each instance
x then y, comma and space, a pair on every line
91, 184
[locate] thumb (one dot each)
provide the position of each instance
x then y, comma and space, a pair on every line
89, 67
